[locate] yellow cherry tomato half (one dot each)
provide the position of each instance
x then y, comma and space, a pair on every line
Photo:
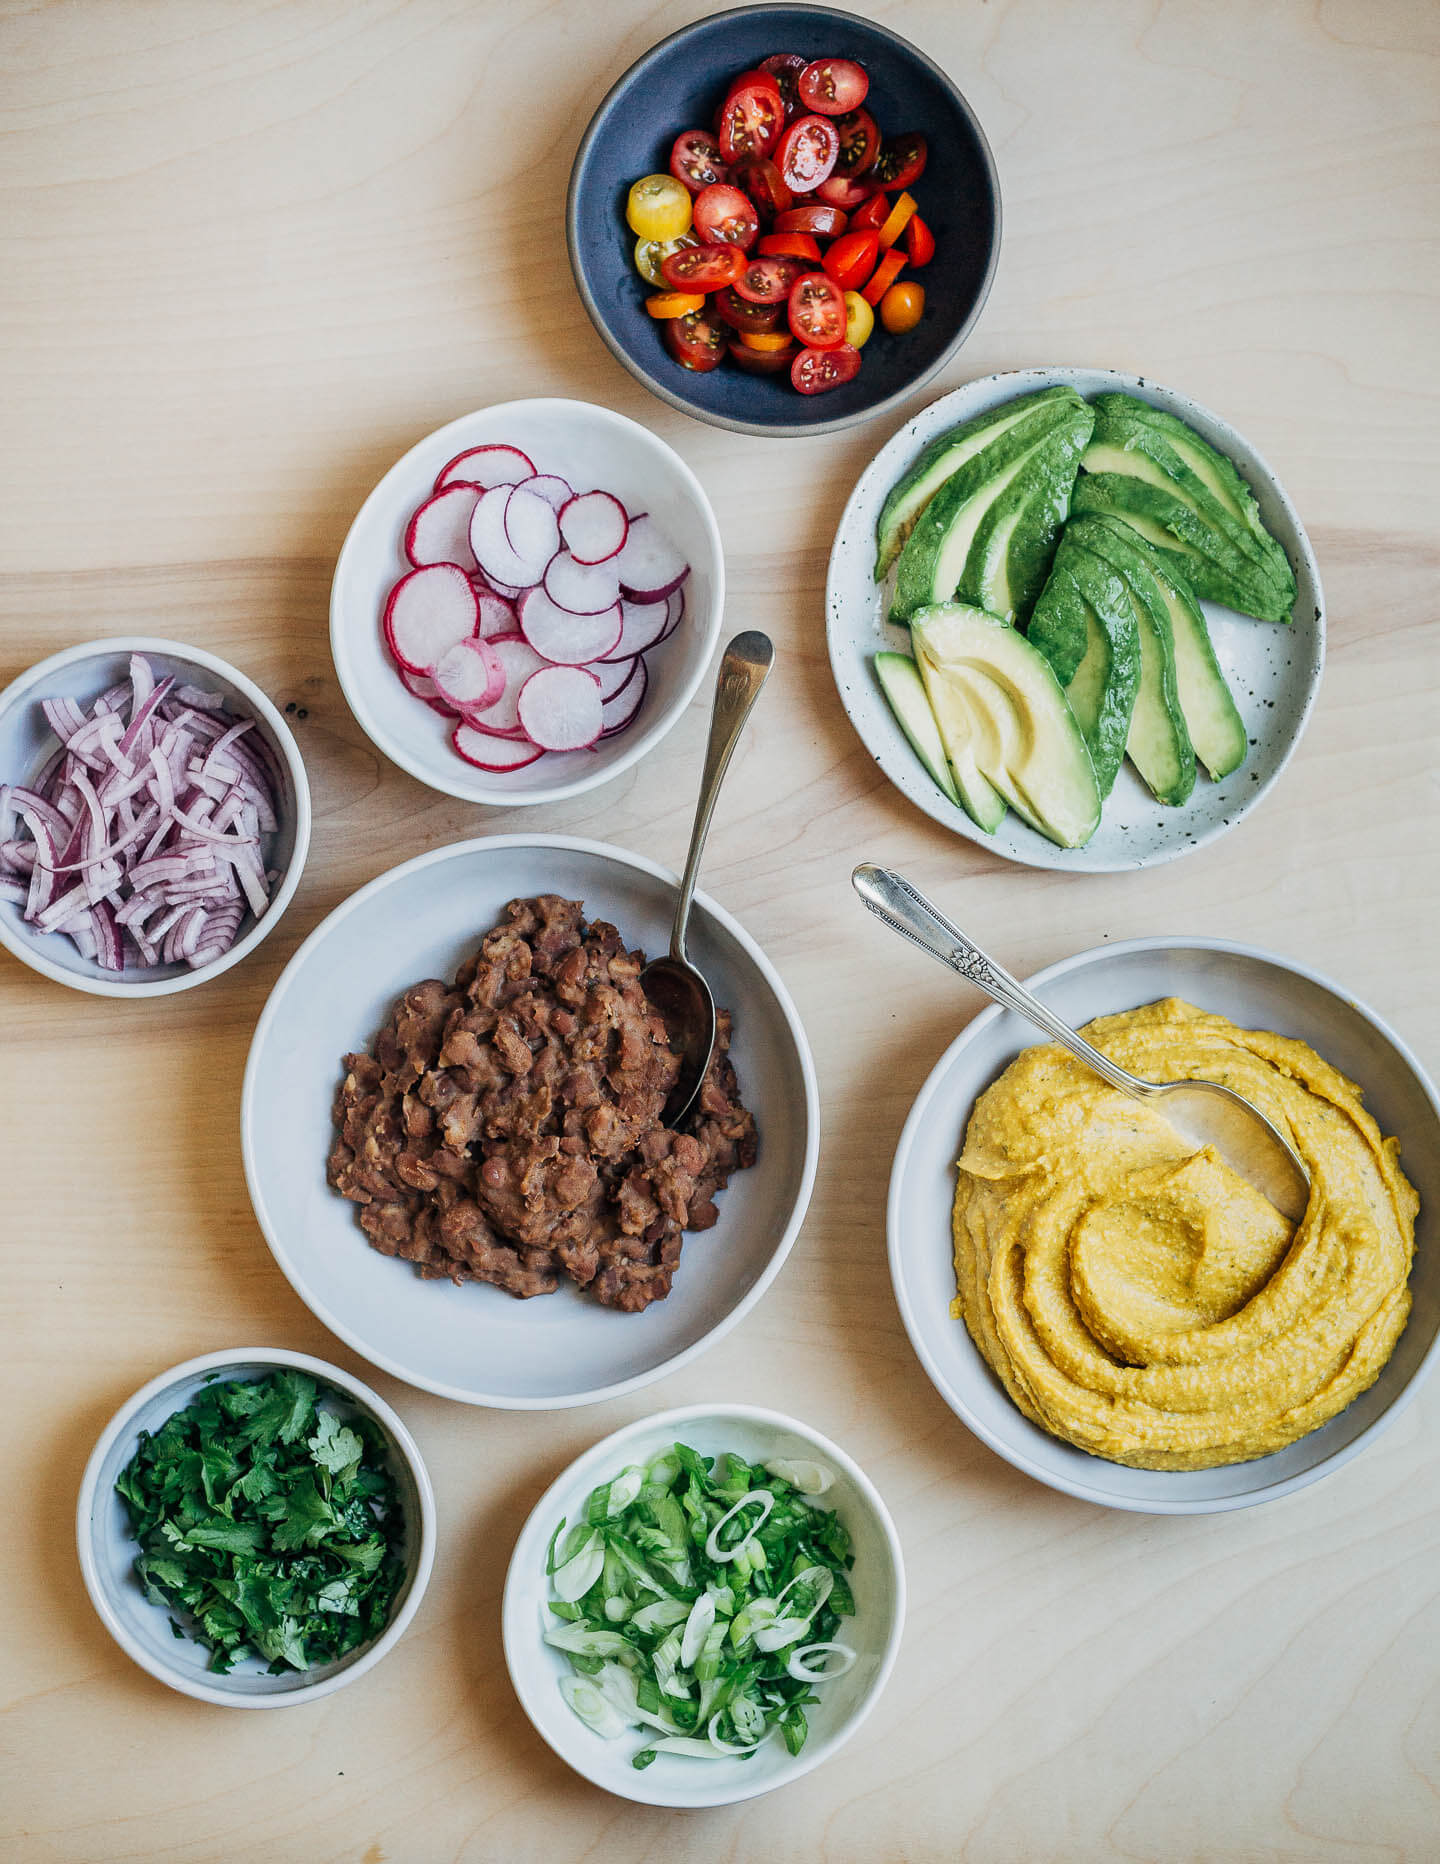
673, 303
650, 253
859, 320
658, 207
902, 307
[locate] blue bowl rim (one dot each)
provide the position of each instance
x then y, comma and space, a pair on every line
780, 431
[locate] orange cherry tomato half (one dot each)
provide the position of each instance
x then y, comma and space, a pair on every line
919, 242
896, 221
673, 303
767, 340
702, 268
815, 217
886, 273
817, 311
807, 153
873, 214
816, 370
696, 341
751, 120
833, 86
851, 259
902, 307
789, 246
726, 217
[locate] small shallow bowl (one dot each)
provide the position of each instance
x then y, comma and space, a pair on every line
26, 742
1272, 669
873, 1633
679, 84
475, 1342
591, 447
107, 1547
1258, 990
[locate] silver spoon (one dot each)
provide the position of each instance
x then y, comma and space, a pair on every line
1203, 1110
673, 985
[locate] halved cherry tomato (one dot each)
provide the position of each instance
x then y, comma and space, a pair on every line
768, 280
785, 68
859, 135
851, 260
901, 160
840, 191
696, 160
742, 315
817, 310
807, 153
673, 303
919, 242
658, 207
753, 74
751, 119
902, 307
859, 320
833, 86
815, 370
871, 216
765, 185
649, 254
762, 362
789, 246
898, 218
824, 222
696, 341
769, 341
884, 277
702, 268
725, 217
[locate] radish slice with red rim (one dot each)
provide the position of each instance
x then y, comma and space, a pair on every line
560, 708
532, 531
518, 660
439, 532
555, 491
488, 751
423, 687
428, 611
594, 527
649, 566
486, 467
583, 588
674, 613
642, 625
567, 639
469, 676
615, 675
620, 710
497, 616
491, 585
488, 539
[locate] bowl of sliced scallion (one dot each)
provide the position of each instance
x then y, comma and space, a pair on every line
704, 1606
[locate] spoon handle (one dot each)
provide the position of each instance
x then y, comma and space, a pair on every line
743, 667
906, 911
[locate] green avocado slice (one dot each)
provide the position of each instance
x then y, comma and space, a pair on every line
905, 692
1084, 624
1015, 542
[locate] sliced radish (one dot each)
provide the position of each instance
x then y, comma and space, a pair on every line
486, 466
674, 611
497, 616
518, 660
423, 687
486, 751
642, 625
531, 530
427, 611
555, 491
583, 588
493, 551
491, 585
469, 676
620, 711
440, 530
614, 675
594, 527
567, 639
560, 708
649, 566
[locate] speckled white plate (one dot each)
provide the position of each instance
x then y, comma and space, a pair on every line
1273, 670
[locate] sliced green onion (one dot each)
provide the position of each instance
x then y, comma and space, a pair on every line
697, 1629
765, 1501
799, 1666
593, 1707
728, 1747
579, 1573
809, 1478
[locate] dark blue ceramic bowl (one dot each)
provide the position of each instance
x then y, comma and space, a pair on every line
679, 84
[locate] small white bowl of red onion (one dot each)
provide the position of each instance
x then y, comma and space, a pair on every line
527, 601
154, 817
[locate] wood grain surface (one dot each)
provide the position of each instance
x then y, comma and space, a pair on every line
248, 254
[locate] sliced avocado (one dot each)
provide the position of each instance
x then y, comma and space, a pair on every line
1084, 624
902, 686
1015, 543
946, 454
996, 698
937, 554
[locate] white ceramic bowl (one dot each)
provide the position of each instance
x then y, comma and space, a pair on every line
878, 1581
476, 1343
591, 447
107, 1547
26, 742
1258, 990
1273, 670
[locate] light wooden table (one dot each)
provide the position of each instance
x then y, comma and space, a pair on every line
248, 254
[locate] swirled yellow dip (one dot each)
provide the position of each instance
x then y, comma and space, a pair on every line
1137, 1297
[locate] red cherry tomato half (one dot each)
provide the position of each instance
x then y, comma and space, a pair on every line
816, 370
833, 86
762, 362
919, 242
765, 185
840, 191
859, 135
751, 120
785, 68
824, 222
725, 217
871, 216
817, 311
757, 74
790, 246
696, 160
696, 341
851, 260
901, 160
768, 280
807, 153
742, 314
702, 268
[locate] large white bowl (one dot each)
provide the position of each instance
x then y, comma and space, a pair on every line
476, 1343
26, 742
107, 1546
1273, 670
877, 1579
1258, 990
591, 447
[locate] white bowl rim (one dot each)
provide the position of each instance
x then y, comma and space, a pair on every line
348, 1386
43, 670
1011, 1452
570, 1400
680, 1415
474, 787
